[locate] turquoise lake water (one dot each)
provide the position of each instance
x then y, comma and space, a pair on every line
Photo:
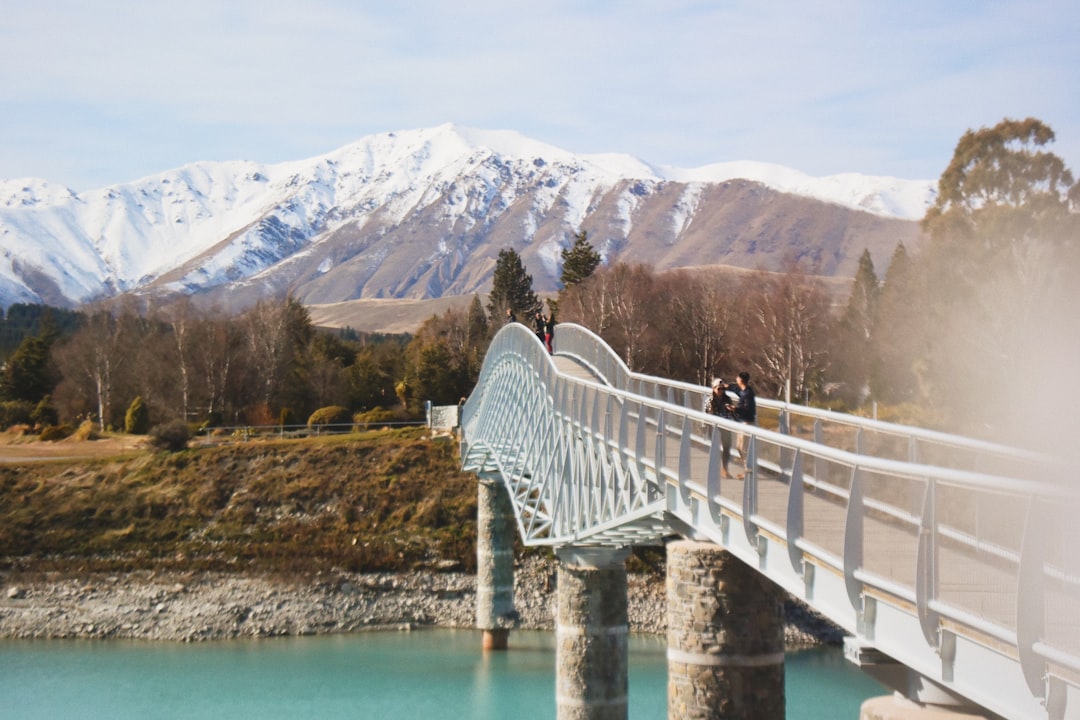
366, 676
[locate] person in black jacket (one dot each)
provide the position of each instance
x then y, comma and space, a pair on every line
538, 325
745, 411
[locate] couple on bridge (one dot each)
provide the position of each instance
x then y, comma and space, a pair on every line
735, 401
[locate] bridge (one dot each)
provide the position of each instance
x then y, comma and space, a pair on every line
952, 564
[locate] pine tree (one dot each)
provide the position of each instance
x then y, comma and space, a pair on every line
511, 287
28, 374
137, 418
898, 332
579, 261
856, 359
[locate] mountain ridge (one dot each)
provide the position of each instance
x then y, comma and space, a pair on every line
421, 214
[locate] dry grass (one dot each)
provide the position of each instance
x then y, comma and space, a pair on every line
365, 501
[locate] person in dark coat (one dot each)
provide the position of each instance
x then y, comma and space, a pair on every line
745, 411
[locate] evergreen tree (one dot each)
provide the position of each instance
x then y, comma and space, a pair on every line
28, 374
511, 287
898, 332
137, 418
579, 261
854, 362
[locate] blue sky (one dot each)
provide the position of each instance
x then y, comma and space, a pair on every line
110, 91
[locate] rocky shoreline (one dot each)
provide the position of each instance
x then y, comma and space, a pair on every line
207, 606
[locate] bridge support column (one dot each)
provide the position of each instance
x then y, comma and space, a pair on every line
725, 637
591, 634
495, 613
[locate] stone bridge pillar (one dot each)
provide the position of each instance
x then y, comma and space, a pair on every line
725, 637
495, 528
591, 634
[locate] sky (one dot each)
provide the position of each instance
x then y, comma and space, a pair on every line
94, 94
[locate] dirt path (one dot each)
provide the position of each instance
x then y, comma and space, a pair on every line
21, 449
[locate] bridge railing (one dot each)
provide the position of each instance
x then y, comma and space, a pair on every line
859, 435
934, 565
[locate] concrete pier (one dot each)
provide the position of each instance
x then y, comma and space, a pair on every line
495, 528
725, 637
591, 634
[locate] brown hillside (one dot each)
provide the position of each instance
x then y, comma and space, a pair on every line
385, 500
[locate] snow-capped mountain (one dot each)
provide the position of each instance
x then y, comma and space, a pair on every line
422, 214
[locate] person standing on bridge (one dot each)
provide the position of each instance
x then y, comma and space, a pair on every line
549, 330
719, 404
538, 325
745, 411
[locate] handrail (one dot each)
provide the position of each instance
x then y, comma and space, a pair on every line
914, 444
874, 543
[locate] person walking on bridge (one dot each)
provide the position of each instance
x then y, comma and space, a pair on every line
719, 404
745, 411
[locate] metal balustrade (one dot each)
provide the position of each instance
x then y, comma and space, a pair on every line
860, 435
969, 579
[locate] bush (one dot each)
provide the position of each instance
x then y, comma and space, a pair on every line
172, 436
16, 412
137, 419
330, 415
56, 432
376, 416
45, 414
87, 430
286, 417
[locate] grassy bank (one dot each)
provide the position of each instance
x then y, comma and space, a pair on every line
382, 500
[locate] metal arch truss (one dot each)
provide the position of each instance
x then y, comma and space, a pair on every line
569, 483
969, 580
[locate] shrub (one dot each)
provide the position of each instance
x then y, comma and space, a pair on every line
376, 416
172, 436
56, 432
330, 415
45, 414
16, 412
87, 430
137, 419
286, 417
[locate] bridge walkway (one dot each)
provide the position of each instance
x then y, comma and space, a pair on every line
968, 579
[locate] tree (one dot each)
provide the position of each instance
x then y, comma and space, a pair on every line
93, 362
277, 332
787, 332
899, 333
137, 419
702, 314
620, 305
511, 287
579, 261
1001, 261
855, 360
28, 374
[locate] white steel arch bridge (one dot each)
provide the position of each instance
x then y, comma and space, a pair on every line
957, 560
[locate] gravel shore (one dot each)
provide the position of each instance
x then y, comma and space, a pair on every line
185, 607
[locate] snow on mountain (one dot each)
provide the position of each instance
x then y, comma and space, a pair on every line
390, 215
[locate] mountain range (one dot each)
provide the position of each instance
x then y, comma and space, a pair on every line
423, 214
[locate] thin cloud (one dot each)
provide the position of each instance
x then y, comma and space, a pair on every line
108, 92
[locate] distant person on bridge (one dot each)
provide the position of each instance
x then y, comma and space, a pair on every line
719, 404
745, 411
538, 325
549, 330
510, 316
